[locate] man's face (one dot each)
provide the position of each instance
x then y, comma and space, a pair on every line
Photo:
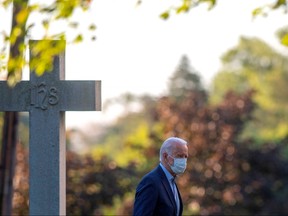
179, 151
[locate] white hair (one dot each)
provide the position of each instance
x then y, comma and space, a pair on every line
167, 145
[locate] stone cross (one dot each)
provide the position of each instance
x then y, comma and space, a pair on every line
46, 98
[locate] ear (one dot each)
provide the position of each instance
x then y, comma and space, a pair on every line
165, 155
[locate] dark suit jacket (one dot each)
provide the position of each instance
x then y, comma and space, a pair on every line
154, 196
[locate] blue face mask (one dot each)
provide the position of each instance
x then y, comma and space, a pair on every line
179, 165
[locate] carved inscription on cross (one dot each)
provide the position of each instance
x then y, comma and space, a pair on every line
46, 98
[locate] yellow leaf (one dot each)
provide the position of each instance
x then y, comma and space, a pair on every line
92, 27
78, 39
284, 40
45, 24
73, 24
22, 16
257, 11
165, 15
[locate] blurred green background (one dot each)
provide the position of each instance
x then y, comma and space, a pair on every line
236, 128
237, 132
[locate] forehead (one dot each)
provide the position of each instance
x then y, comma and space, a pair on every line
180, 149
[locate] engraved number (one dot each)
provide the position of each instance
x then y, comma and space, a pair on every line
41, 96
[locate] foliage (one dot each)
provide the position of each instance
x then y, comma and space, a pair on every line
61, 11
224, 175
93, 185
282, 34
126, 142
21, 182
184, 80
186, 5
253, 64
54, 12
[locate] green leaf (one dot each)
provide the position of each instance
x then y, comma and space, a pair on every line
284, 40
257, 11
22, 16
45, 24
6, 3
92, 27
78, 39
211, 3
279, 3
73, 24
165, 15
183, 8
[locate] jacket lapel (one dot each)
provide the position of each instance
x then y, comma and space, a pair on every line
167, 187
180, 199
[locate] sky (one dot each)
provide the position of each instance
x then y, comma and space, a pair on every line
135, 51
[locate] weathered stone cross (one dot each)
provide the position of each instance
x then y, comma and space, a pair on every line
46, 98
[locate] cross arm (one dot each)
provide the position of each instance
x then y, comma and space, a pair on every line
15, 98
80, 96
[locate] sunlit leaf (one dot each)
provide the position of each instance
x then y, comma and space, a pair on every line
183, 8
78, 38
165, 15
16, 32
33, 7
73, 24
257, 11
5, 36
50, 9
92, 27
2, 56
30, 26
45, 24
6, 3
284, 40
279, 3
22, 16
211, 3
65, 9
85, 4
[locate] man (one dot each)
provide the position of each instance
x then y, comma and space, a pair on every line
157, 193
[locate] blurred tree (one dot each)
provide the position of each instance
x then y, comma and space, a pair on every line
184, 80
126, 142
253, 64
224, 176
20, 202
282, 35
9, 134
93, 186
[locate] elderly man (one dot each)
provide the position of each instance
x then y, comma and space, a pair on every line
157, 192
